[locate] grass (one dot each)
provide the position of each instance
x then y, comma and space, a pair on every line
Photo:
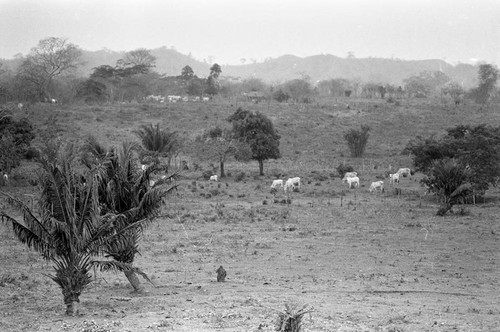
313, 250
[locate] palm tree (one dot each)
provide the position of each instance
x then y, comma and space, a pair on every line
158, 142
126, 189
69, 229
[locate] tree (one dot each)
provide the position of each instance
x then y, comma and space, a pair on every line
299, 90
140, 57
425, 83
49, 59
474, 148
124, 188
455, 91
257, 130
92, 91
158, 142
488, 75
69, 231
187, 73
357, 140
449, 180
215, 71
220, 145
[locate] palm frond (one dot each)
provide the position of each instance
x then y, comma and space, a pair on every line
115, 266
38, 240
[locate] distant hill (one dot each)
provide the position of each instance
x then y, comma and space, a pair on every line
324, 67
287, 67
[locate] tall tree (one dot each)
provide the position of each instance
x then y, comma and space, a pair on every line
140, 57
187, 73
49, 59
257, 130
488, 75
219, 144
215, 70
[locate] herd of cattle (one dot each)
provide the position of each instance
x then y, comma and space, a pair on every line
174, 99
351, 178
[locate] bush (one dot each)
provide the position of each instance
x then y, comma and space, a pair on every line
357, 140
240, 176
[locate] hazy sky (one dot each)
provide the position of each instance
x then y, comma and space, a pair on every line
228, 30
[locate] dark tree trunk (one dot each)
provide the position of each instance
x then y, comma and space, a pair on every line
71, 300
222, 173
261, 167
134, 280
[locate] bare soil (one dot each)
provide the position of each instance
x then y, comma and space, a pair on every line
361, 261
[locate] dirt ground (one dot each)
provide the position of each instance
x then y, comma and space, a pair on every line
360, 261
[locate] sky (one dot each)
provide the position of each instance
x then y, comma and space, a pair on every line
241, 31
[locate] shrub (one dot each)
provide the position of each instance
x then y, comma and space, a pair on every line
290, 320
357, 140
240, 176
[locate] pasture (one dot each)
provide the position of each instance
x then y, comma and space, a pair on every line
362, 261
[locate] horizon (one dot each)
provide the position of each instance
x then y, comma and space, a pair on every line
243, 31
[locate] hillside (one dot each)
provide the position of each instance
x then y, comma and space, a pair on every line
319, 67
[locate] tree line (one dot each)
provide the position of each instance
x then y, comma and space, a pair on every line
50, 71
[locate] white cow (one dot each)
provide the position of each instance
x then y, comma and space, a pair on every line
292, 184
353, 180
394, 178
349, 175
377, 185
277, 183
5, 178
144, 167
214, 178
404, 172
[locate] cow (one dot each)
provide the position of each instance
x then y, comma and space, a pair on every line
377, 185
214, 178
277, 183
394, 178
144, 167
292, 184
404, 172
5, 178
353, 180
349, 175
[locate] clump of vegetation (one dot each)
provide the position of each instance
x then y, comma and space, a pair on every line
342, 169
291, 319
240, 176
466, 157
357, 140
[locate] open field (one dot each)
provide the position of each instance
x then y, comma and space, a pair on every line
361, 261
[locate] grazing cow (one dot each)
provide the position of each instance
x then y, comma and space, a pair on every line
349, 175
353, 180
5, 178
205, 99
394, 178
292, 184
277, 183
404, 172
377, 185
214, 178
